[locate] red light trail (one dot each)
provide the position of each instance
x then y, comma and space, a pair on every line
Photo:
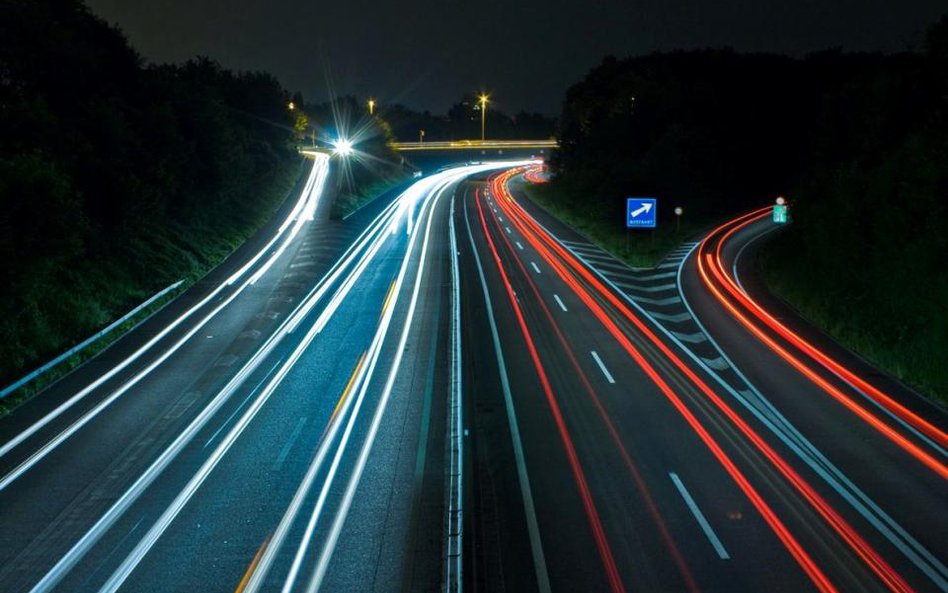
543, 243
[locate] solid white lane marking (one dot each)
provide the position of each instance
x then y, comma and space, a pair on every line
534, 264
559, 302
699, 516
519, 246
454, 566
602, 367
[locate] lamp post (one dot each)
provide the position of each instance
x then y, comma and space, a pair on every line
371, 106
483, 99
421, 136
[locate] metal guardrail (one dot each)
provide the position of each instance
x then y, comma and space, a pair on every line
85, 343
473, 144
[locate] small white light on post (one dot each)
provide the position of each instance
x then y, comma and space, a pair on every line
678, 212
483, 101
781, 201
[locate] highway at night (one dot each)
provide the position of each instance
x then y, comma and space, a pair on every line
451, 390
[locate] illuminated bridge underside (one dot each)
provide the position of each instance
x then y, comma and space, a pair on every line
469, 144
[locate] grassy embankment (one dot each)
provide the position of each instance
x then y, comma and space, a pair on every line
864, 260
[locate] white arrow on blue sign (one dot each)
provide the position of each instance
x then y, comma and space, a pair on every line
640, 212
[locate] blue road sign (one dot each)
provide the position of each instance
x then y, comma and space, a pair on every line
640, 213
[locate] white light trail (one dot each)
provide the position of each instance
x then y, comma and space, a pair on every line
320, 164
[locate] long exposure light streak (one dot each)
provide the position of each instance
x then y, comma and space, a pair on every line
714, 262
86, 417
639, 482
533, 232
589, 505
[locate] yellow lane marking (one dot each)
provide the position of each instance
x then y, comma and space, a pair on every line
253, 565
388, 298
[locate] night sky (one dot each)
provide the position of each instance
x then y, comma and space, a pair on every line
427, 53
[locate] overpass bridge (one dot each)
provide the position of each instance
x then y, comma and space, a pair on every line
474, 145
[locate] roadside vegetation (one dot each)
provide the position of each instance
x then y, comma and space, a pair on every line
637, 247
865, 257
857, 142
373, 167
119, 178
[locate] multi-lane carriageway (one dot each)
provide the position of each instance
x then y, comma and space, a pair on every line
452, 390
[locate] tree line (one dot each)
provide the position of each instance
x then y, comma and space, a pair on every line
118, 178
857, 142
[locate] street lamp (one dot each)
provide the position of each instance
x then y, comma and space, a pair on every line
483, 99
421, 136
291, 106
342, 147
371, 106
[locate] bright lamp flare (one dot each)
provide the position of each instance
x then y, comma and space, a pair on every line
342, 147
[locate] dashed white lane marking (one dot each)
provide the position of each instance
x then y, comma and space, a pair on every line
602, 367
519, 246
535, 267
699, 516
559, 302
